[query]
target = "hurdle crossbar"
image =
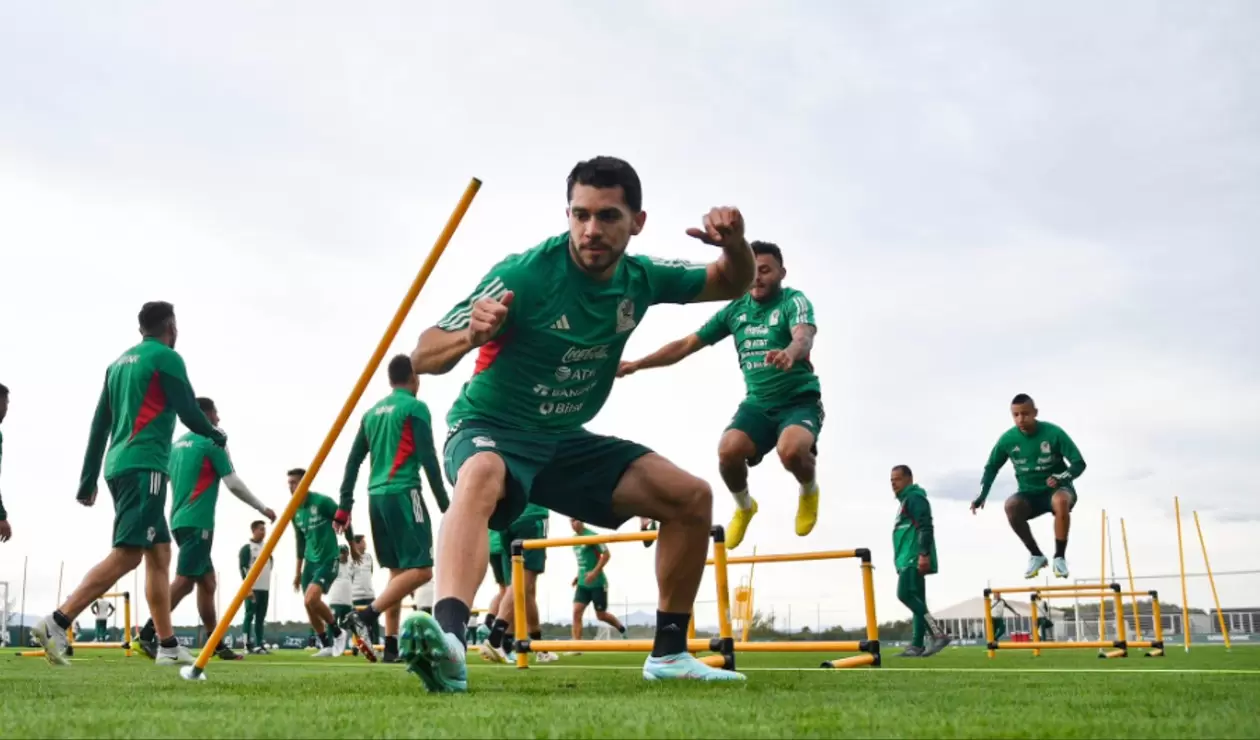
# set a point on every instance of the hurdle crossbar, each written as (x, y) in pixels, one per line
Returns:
(722, 646)
(869, 648)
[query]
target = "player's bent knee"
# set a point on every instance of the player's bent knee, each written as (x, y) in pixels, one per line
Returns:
(697, 500)
(482, 480)
(735, 448)
(1015, 508)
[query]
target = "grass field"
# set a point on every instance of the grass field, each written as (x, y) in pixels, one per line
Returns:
(960, 693)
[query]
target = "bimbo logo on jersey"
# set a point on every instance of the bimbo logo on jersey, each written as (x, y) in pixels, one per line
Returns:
(583, 354)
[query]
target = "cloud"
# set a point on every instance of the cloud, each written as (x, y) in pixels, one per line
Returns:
(964, 485)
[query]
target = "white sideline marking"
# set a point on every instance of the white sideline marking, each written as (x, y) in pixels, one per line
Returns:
(1206, 671)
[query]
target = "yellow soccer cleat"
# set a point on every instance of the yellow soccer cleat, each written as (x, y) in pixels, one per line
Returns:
(739, 525)
(807, 512)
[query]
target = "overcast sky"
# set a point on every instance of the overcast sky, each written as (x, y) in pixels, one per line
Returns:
(980, 199)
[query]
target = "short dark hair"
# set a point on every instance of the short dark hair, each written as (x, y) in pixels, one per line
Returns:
(256, 524)
(770, 248)
(904, 470)
(299, 472)
(607, 172)
(358, 538)
(1022, 398)
(4, 390)
(154, 316)
(400, 369)
(205, 404)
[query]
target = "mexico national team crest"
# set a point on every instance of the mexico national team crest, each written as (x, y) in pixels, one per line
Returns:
(774, 317)
(625, 316)
(1045, 448)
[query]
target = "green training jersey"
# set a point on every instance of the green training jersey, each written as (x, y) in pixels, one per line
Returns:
(4, 516)
(197, 467)
(553, 362)
(397, 433)
(913, 534)
(496, 544)
(313, 525)
(1047, 451)
(588, 558)
(145, 390)
(757, 328)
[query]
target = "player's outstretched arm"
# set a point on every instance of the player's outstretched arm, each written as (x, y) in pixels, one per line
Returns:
(997, 458)
(670, 354)
(730, 275)
(358, 453)
(422, 433)
(98, 438)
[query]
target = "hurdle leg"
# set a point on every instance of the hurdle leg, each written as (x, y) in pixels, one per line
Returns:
(988, 624)
(1033, 626)
(726, 638)
(520, 629)
(1157, 650)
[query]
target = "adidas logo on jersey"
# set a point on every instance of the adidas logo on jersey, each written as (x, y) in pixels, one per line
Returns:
(562, 323)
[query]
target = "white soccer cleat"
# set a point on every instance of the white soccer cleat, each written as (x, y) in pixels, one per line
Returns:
(1035, 564)
(177, 655)
(328, 652)
(492, 654)
(1060, 568)
(52, 639)
(342, 643)
(547, 657)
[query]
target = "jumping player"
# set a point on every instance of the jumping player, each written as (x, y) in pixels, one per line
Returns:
(398, 434)
(258, 600)
(197, 468)
(5, 530)
(317, 565)
(1047, 464)
(773, 328)
(144, 390)
(914, 553)
(550, 325)
(591, 585)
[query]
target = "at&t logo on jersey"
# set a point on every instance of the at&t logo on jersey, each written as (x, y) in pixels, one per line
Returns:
(564, 372)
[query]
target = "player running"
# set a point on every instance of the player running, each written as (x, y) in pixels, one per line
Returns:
(5, 530)
(197, 468)
(550, 325)
(591, 585)
(773, 328)
(1047, 464)
(914, 553)
(530, 525)
(398, 435)
(259, 598)
(144, 390)
(317, 566)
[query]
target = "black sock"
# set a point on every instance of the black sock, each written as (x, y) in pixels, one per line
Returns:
(535, 635)
(369, 616)
(1060, 547)
(391, 643)
(671, 634)
(62, 620)
(489, 620)
(452, 614)
(622, 629)
(1034, 550)
(325, 640)
(497, 632)
(169, 643)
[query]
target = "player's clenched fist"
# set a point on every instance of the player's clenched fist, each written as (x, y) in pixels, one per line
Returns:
(723, 227)
(488, 315)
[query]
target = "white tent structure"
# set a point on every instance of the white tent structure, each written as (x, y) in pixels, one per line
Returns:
(966, 620)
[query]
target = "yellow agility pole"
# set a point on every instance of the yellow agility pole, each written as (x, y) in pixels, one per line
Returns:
(1128, 569)
(523, 644)
(197, 671)
(1211, 581)
(1102, 577)
(1181, 561)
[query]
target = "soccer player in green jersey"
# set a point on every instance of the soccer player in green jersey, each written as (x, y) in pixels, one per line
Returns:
(914, 556)
(5, 531)
(773, 328)
(144, 391)
(550, 325)
(198, 466)
(591, 585)
(259, 598)
(530, 525)
(317, 564)
(1047, 464)
(397, 433)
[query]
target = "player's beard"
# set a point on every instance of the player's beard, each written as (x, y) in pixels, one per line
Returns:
(595, 262)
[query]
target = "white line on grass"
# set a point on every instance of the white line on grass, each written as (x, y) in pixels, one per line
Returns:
(1156, 671)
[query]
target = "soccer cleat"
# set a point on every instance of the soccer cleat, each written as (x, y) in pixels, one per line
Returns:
(390, 656)
(936, 644)
(177, 655)
(914, 651)
(226, 653)
(148, 647)
(807, 511)
(437, 658)
(739, 525)
(52, 639)
(492, 654)
(1035, 564)
(359, 633)
(1060, 568)
(685, 666)
(328, 652)
(545, 657)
